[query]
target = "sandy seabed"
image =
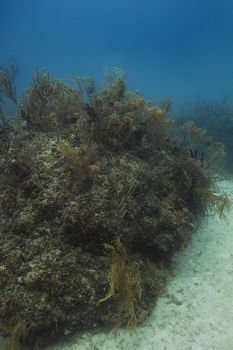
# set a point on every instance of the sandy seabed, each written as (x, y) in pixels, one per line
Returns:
(196, 311)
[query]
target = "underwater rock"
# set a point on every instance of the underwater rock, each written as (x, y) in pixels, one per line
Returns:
(86, 169)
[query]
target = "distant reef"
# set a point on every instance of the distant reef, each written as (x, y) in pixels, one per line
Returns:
(96, 195)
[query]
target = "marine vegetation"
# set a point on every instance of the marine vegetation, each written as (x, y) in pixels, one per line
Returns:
(7, 82)
(125, 283)
(202, 146)
(216, 117)
(7, 93)
(89, 171)
(14, 335)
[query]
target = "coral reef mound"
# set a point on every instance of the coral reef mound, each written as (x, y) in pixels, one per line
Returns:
(85, 173)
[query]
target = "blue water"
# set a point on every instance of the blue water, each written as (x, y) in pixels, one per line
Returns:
(177, 48)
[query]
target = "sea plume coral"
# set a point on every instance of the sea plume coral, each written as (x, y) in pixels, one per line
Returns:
(124, 284)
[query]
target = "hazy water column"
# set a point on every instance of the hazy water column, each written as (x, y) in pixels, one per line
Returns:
(177, 48)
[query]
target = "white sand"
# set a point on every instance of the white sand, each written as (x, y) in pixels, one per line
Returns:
(196, 312)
